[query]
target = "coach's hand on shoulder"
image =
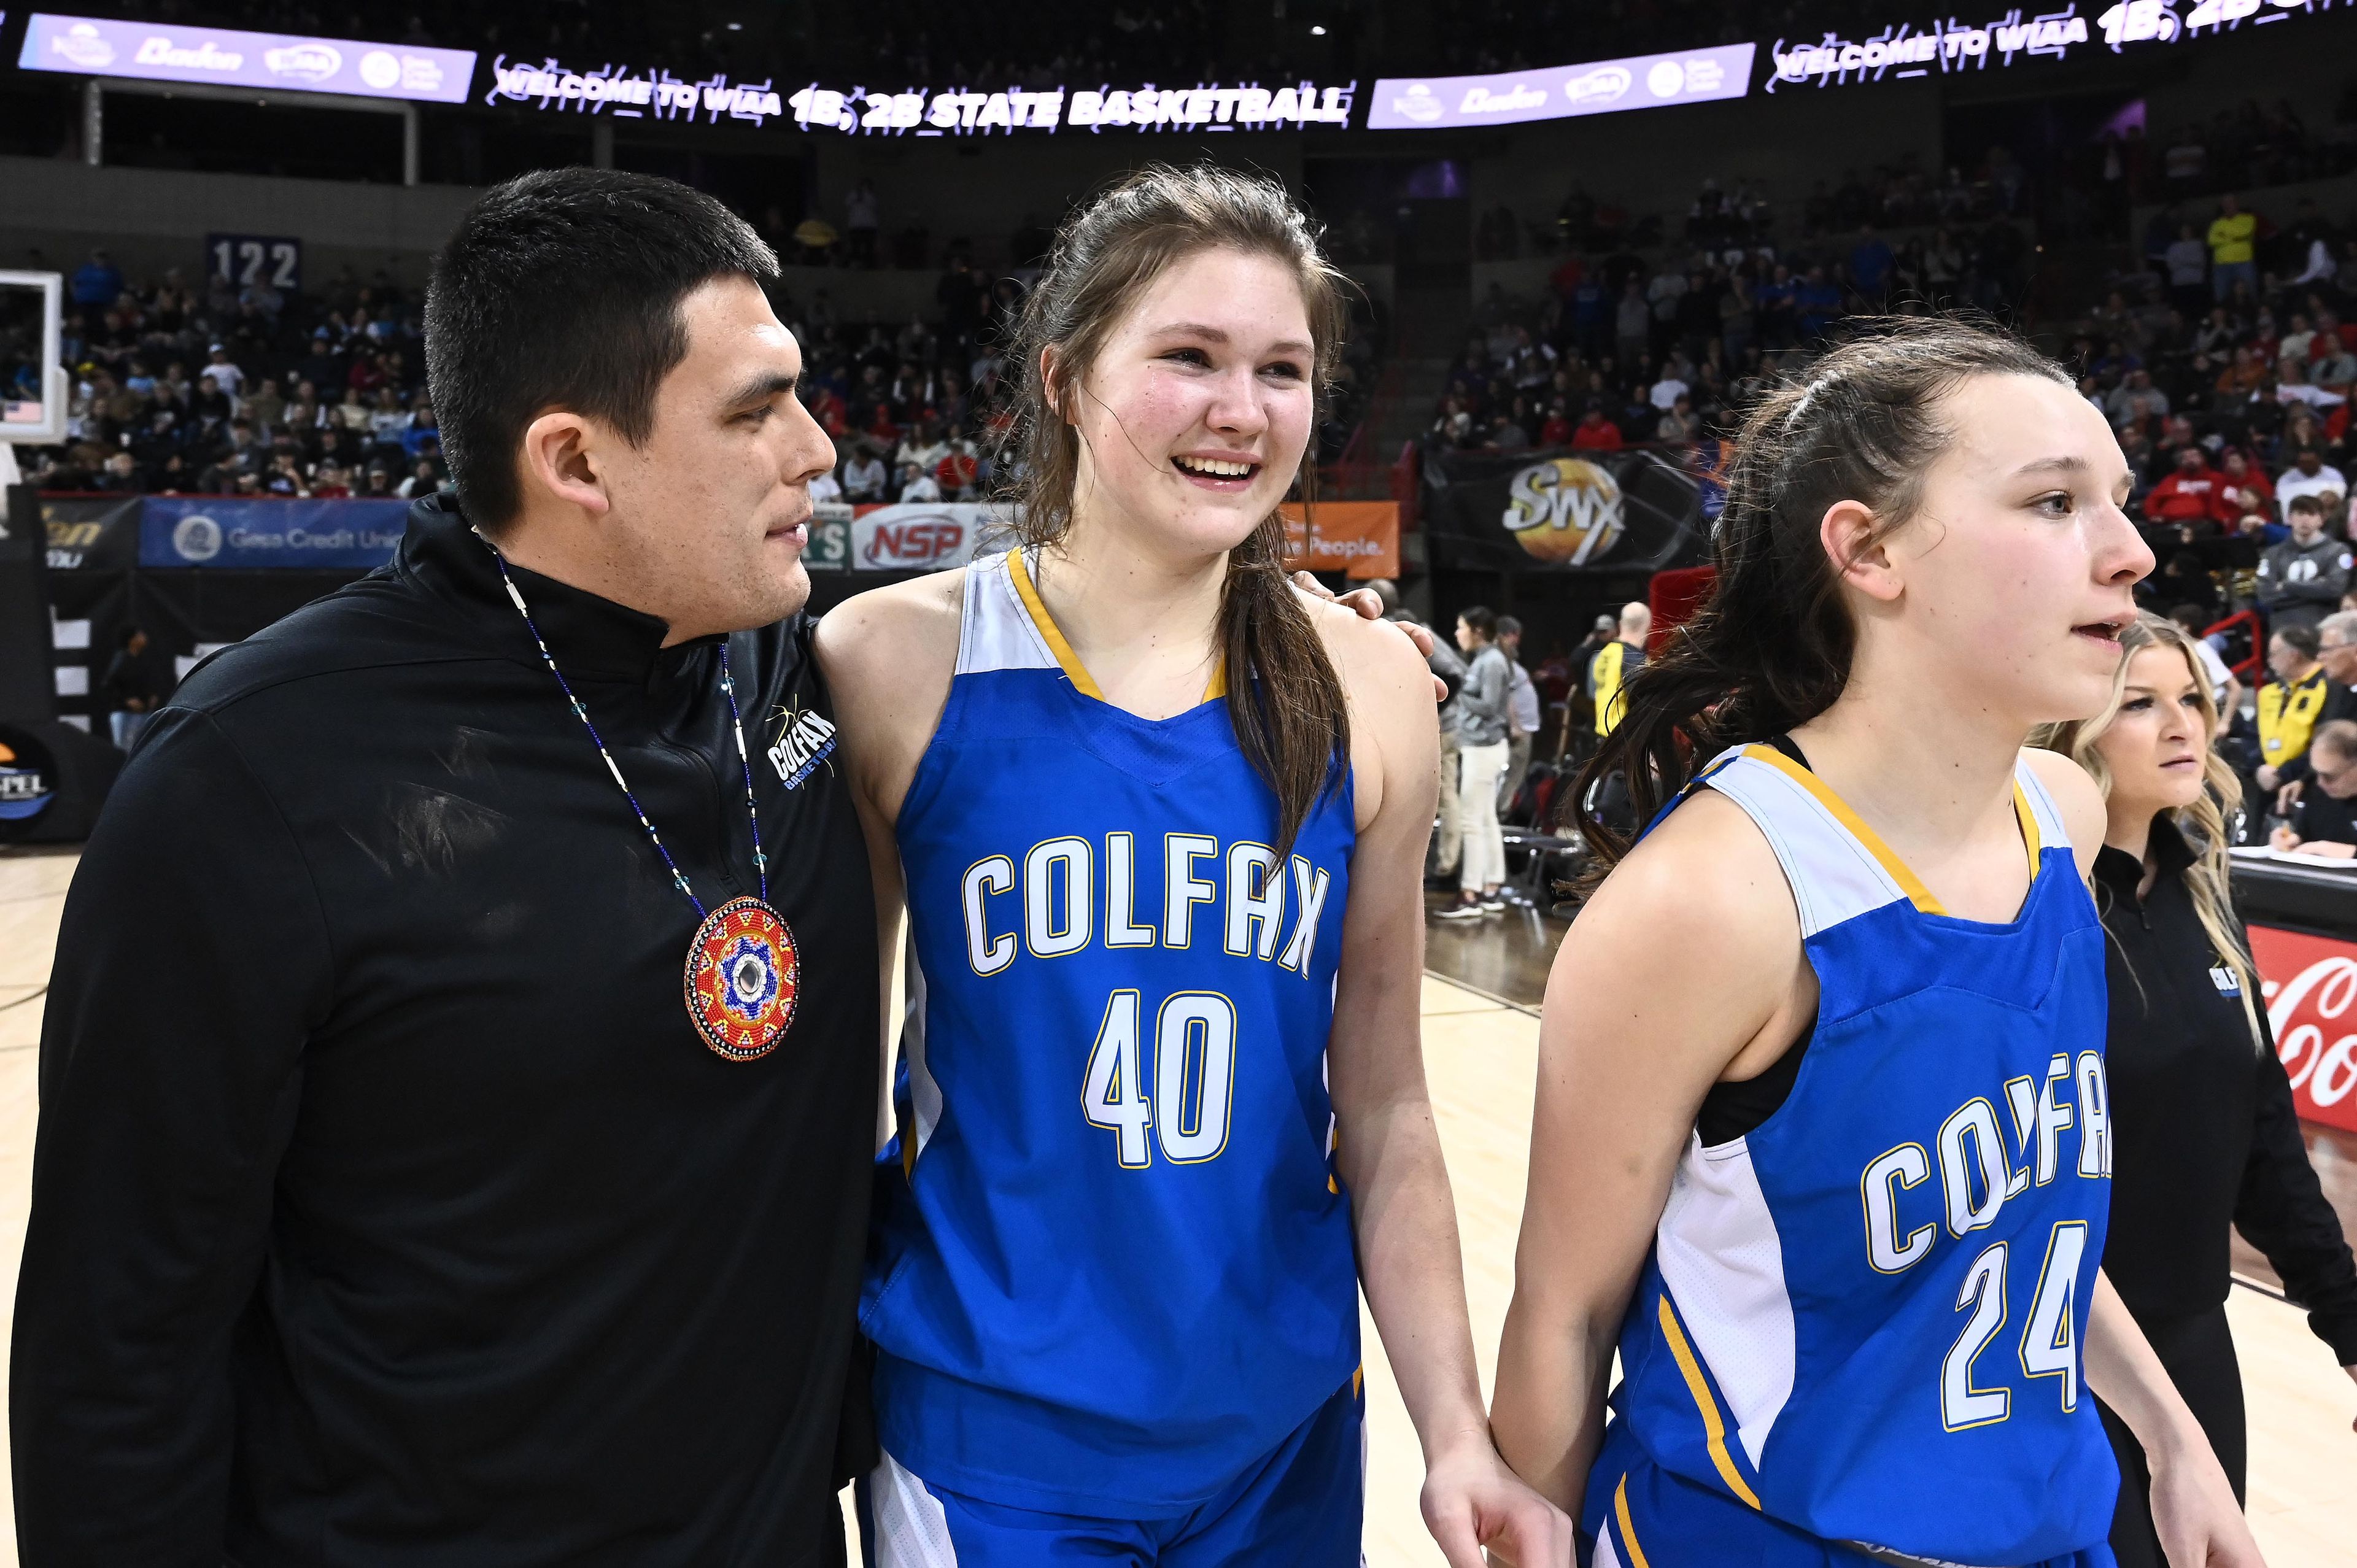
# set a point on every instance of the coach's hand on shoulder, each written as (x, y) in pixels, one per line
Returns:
(1367, 607)
(1472, 1500)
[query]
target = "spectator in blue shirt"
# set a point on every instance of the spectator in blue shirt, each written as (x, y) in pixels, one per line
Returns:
(1869, 263)
(1818, 301)
(97, 282)
(96, 285)
(421, 436)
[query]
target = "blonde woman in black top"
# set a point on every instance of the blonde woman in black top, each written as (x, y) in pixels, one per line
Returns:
(2205, 1136)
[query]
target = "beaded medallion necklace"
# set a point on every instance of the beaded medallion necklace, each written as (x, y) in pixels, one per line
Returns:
(744, 971)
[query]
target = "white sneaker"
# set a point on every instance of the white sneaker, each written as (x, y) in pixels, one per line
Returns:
(1461, 912)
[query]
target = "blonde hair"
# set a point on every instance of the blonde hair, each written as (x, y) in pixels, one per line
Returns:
(2209, 878)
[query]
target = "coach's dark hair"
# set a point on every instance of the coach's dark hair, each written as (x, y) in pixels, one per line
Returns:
(1771, 647)
(1481, 620)
(1283, 697)
(561, 289)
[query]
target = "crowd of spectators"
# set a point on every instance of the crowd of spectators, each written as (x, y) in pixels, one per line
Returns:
(2227, 365)
(1901, 194)
(1622, 348)
(2237, 146)
(212, 389)
(218, 390)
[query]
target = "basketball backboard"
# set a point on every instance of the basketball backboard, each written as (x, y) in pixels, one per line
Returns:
(33, 383)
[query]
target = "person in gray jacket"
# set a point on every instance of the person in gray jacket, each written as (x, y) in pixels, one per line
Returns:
(2301, 580)
(1483, 713)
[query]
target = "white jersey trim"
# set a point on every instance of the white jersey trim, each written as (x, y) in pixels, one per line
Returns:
(1720, 1254)
(1834, 877)
(996, 630)
(905, 1524)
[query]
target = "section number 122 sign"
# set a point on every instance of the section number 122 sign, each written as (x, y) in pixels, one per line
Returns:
(245, 260)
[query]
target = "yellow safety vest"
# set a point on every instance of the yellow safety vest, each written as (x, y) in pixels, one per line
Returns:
(2288, 718)
(1604, 673)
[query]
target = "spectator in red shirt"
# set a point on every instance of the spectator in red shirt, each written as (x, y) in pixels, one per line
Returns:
(1596, 432)
(2187, 499)
(1556, 431)
(827, 406)
(367, 374)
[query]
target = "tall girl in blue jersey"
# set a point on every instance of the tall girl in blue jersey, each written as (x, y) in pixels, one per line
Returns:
(1160, 823)
(1823, 1139)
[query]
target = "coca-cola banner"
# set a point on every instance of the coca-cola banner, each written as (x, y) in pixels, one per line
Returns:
(1568, 512)
(2310, 985)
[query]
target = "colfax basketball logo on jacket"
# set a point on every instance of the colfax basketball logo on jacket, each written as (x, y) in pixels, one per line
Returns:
(807, 740)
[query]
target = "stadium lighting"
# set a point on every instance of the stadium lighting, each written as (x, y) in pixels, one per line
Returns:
(1317, 32)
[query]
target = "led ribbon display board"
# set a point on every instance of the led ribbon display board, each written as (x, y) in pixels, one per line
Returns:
(87, 46)
(1599, 87)
(1903, 49)
(631, 93)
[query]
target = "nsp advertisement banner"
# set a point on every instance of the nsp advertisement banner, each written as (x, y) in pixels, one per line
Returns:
(91, 534)
(1586, 512)
(927, 536)
(1557, 92)
(237, 535)
(90, 46)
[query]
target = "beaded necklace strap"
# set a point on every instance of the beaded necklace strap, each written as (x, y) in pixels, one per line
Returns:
(736, 723)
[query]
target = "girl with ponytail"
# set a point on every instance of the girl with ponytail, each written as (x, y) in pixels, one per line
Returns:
(1160, 823)
(1823, 1136)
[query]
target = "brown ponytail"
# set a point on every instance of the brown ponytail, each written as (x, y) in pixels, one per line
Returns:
(1772, 647)
(1283, 697)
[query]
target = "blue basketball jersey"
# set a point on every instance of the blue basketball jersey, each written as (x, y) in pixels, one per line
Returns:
(1114, 1267)
(1863, 1319)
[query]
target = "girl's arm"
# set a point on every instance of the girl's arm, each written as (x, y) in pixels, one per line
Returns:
(1684, 967)
(2194, 1509)
(887, 657)
(1388, 1154)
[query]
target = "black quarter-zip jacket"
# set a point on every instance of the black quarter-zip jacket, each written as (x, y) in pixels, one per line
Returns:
(2205, 1136)
(387, 1208)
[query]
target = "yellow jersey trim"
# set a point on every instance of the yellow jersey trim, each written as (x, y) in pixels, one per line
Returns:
(1909, 883)
(2028, 820)
(1069, 661)
(1066, 658)
(1628, 1531)
(1714, 1424)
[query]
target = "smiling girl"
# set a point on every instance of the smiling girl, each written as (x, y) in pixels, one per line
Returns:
(2207, 1141)
(1823, 1139)
(1161, 823)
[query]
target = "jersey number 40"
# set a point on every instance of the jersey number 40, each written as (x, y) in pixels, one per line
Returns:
(1185, 1106)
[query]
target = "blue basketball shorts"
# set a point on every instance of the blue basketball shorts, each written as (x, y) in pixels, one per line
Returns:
(1642, 1516)
(1300, 1506)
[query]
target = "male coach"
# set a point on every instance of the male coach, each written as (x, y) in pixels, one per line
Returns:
(407, 1190)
